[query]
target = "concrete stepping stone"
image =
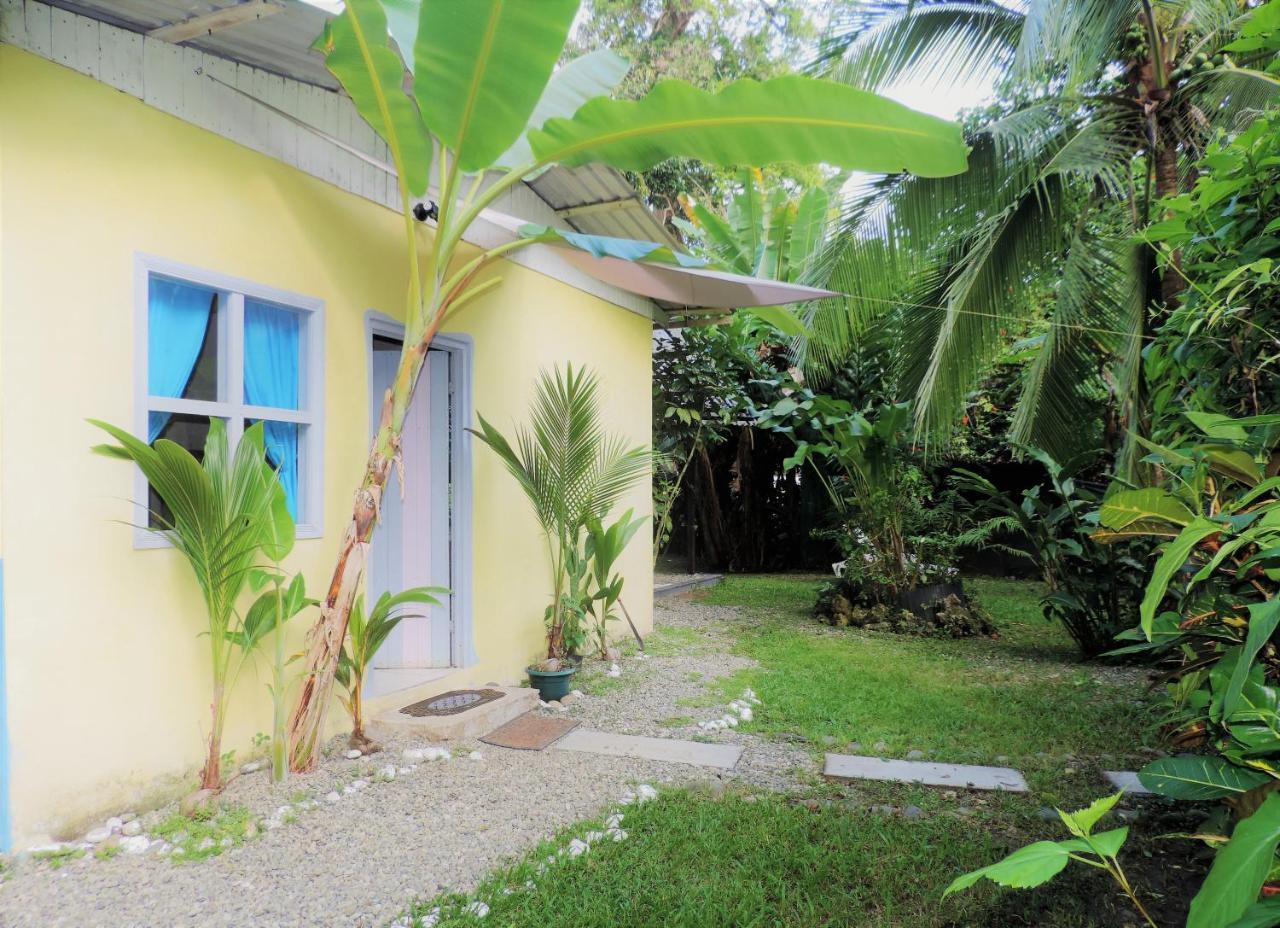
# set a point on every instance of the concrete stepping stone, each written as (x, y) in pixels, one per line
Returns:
(1128, 781)
(964, 776)
(724, 756)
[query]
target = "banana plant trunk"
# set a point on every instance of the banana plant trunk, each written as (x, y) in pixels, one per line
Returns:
(307, 724)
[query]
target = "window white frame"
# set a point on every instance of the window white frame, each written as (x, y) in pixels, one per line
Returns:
(232, 292)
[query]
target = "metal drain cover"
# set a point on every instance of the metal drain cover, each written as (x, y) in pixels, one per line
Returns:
(451, 703)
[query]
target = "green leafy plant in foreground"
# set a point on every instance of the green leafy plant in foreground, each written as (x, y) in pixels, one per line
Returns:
(226, 511)
(573, 473)
(474, 82)
(365, 635)
(1036, 864)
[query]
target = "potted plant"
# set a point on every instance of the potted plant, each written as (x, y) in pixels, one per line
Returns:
(572, 473)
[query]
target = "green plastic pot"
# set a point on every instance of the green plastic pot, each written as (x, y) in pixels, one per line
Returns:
(551, 684)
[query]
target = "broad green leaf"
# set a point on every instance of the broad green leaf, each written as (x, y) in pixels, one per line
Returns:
(480, 68)
(595, 74)
(1029, 866)
(604, 246)
(1198, 777)
(797, 119)
(1264, 617)
(810, 229)
(1235, 463)
(782, 319)
(1265, 913)
(1171, 559)
(1108, 843)
(356, 49)
(1081, 823)
(1122, 509)
(1218, 426)
(1239, 870)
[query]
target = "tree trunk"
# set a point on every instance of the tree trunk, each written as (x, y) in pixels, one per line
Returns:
(306, 726)
(211, 775)
(1168, 185)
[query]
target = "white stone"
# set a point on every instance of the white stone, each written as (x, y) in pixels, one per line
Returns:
(403, 770)
(413, 754)
(252, 767)
(115, 823)
(730, 721)
(619, 835)
(350, 789)
(332, 797)
(745, 714)
(131, 829)
(613, 821)
(577, 848)
(359, 784)
(591, 837)
(226, 842)
(98, 835)
(388, 772)
(478, 909)
(429, 920)
(137, 844)
(272, 824)
(353, 754)
(577, 693)
(645, 792)
(475, 755)
(614, 671)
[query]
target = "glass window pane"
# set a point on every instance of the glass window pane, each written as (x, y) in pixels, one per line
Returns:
(188, 431)
(272, 355)
(281, 441)
(182, 340)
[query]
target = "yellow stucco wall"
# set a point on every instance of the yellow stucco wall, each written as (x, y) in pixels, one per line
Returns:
(108, 680)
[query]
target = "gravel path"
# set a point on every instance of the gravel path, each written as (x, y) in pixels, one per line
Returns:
(441, 825)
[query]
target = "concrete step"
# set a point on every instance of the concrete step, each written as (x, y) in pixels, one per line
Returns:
(471, 722)
(724, 756)
(963, 776)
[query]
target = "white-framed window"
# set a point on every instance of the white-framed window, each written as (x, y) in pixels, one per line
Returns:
(213, 346)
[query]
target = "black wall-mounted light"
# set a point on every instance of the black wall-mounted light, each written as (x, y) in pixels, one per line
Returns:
(422, 212)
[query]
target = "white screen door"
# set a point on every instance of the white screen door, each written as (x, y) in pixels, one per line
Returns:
(411, 545)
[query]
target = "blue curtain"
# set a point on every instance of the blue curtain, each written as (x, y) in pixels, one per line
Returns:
(271, 368)
(177, 319)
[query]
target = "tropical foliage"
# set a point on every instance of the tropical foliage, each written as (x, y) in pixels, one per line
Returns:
(366, 634)
(225, 511)
(1102, 102)
(573, 474)
(474, 80)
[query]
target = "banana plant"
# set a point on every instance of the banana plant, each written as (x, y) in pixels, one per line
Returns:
(603, 547)
(764, 233)
(465, 97)
(280, 600)
(365, 635)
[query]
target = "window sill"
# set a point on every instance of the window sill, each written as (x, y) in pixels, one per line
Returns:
(144, 540)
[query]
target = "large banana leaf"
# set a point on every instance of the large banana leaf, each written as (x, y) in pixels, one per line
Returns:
(595, 74)
(480, 68)
(356, 50)
(1198, 778)
(796, 119)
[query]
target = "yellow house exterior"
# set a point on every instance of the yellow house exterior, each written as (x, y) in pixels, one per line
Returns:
(106, 677)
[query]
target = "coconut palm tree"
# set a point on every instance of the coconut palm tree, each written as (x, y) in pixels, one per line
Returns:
(1105, 103)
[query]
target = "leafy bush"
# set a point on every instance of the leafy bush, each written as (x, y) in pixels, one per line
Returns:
(1092, 590)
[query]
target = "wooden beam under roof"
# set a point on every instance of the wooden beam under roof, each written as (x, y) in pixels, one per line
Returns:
(216, 21)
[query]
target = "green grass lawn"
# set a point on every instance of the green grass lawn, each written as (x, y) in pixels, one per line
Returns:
(1022, 697)
(828, 857)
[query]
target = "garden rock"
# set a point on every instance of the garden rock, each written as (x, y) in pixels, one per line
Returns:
(913, 812)
(843, 604)
(98, 835)
(131, 829)
(353, 754)
(251, 767)
(915, 755)
(137, 844)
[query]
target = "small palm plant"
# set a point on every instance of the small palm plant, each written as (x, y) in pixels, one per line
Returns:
(365, 635)
(571, 471)
(224, 512)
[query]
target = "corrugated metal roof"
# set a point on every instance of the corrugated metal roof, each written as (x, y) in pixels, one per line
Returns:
(594, 199)
(280, 43)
